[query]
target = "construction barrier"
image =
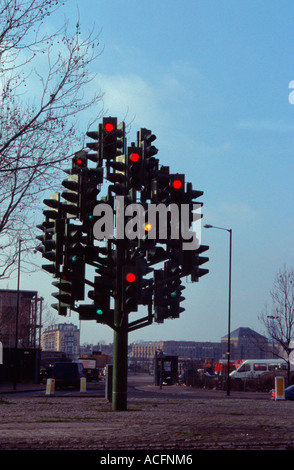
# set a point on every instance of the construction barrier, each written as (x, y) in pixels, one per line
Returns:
(279, 388)
(50, 386)
(83, 382)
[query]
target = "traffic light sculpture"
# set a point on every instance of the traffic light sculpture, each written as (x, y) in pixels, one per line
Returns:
(131, 272)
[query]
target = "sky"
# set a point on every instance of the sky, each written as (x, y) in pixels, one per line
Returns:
(211, 80)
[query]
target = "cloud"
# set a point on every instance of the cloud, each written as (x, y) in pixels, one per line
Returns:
(266, 125)
(239, 210)
(129, 95)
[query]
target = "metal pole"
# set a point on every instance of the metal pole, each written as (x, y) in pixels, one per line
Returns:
(229, 307)
(16, 322)
(120, 341)
(229, 315)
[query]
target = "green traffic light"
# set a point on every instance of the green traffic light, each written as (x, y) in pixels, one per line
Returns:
(99, 311)
(175, 294)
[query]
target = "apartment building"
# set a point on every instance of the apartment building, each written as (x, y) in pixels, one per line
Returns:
(63, 337)
(20, 318)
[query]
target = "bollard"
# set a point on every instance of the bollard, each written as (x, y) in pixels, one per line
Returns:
(83, 384)
(50, 386)
(279, 388)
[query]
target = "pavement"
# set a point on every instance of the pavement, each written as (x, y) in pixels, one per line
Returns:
(171, 419)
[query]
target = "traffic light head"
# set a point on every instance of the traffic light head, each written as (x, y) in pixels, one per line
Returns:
(73, 246)
(52, 247)
(160, 189)
(177, 188)
(72, 195)
(130, 287)
(118, 175)
(79, 162)
(89, 193)
(134, 168)
(112, 138)
(145, 139)
(191, 262)
(91, 312)
(101, 297)
(54, 205)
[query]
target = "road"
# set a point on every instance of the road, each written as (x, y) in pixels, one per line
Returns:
(171, 418)
(141, 385)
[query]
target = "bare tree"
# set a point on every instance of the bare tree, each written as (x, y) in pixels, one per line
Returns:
(278, 319)
(44, 79)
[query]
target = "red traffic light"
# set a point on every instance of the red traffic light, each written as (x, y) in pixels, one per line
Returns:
(134, 157)
(108, 126)
(130, 277)
(177, 184)
(79, 161)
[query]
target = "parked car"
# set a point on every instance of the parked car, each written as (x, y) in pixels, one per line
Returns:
(68, 374)
(289, 393)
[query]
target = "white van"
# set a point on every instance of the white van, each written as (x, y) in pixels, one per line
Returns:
(252, 368)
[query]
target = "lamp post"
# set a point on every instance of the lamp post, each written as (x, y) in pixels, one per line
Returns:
(16, 322)
(229, 308)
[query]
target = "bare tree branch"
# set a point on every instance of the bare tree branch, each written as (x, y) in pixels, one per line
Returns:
(45, 80)
(278, 319)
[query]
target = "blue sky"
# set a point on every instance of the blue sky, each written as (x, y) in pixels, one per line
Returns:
(211, 80)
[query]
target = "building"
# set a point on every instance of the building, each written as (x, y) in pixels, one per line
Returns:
(246, 343)
(187, 351)
(62, 337)
(20, 335)
(20, 319)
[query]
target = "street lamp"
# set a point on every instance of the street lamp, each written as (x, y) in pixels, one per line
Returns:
(229, 308)
(16, 322)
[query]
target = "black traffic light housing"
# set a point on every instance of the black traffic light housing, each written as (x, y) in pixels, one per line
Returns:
(145, 139)
(130, 288)
(118, 175)
(160, 189)
(47, 244)
(112, 138)
(190, 195)
(72, 195)
(177, 188)
(55, 207)
(79, 162)
(173, 276)
(134, 168)
(89, 193)
(191, 262)
(101, 300)
(64, 295)
(160, 296)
